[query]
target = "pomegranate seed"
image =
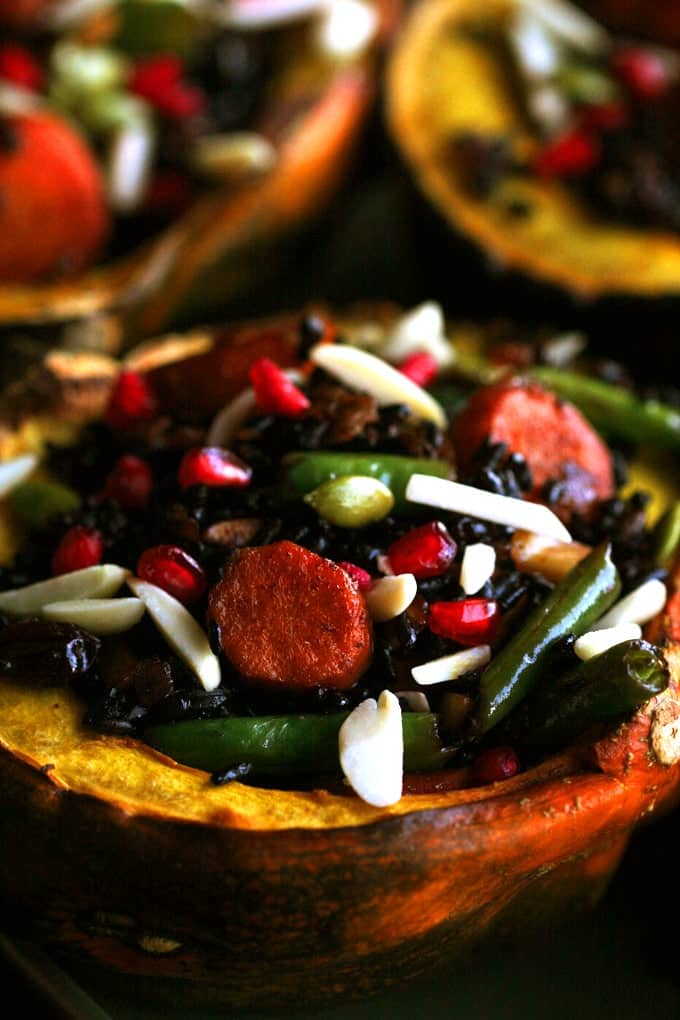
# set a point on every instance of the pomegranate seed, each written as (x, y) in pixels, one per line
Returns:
(131, 401)
(20, 67)
(361, 577)
(160, 81)
(643, 72)
(427, 551)
(214, 466)
(468, 621)
(80, 547)
(171, 568)
(151, 77)
(181, 102)
(603, 117)
(130, 482)
(495, 764)
(421, 368)
(274, 392)
(570, 155)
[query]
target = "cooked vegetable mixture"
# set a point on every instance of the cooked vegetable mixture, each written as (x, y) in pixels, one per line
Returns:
(603, 110)
(337, 573)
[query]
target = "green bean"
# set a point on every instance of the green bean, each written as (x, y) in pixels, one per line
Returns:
(666, 537)
(608, 685)
(613, 410)
(286, 745)
(307, 471)
(574, 604)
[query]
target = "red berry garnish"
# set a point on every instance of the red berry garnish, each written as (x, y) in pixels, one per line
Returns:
(130, 482)
(20, 67)
(570, 155)
(643, 72)
(151, 77)
(80, 547)
(421, 368)
(159, 80)
(361, 577)
(171, 568)
(131, 401)
(427, 551)
(495, 764)
(468, 621)
(213, 466)
(274, 392)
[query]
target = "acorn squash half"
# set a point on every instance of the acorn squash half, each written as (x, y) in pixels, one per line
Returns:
(110, 852)
(446, 77)
(231, 239)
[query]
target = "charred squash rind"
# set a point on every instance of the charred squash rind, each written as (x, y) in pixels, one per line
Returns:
(334, 896)
(226, 243)
(560, 243)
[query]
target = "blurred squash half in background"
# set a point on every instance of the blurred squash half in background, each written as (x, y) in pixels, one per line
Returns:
(159, 158)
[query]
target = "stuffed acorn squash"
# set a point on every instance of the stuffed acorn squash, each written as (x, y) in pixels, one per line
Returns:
(170, 154)
(332, 666)
(545, 140)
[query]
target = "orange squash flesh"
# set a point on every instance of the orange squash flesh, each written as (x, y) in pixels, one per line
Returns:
(444, 78)
(110, 852)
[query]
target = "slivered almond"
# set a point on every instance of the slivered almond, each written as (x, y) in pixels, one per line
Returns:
(639, 606)
(371, 746)
(100, 616)
(487, 506)
(421, 329)
(365, 372)
(479, 563)
(595, 642)
(180, 630)
(97, 582)
(450, 667)
(14, 472)
(389, 596)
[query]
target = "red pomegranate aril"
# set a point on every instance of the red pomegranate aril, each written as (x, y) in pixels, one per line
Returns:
(570, 155)
(361, 577)
(150, 78)
(468, 622)
(495, 764)
(421, 368)
(172, 568)
(20, 67)
(130, 482)
(160, 81)
(426, 551)
(213, 466)
(274, 391)
(131, 401)
(644, 73)
(80, 547)
(181, 102)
